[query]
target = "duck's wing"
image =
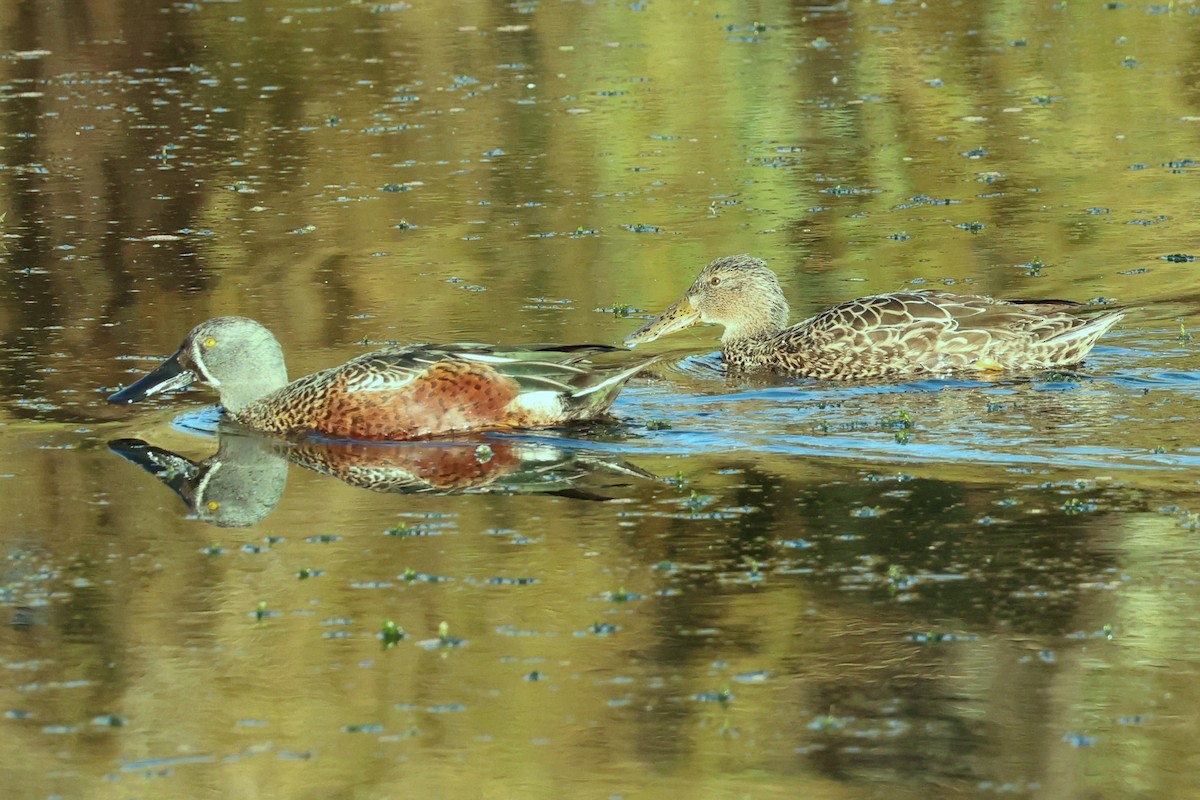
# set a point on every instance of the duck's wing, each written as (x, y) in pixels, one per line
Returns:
(535, 367)
(898, 313)
(942, 330)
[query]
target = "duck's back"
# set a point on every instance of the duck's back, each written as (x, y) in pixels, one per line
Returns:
(925, 332)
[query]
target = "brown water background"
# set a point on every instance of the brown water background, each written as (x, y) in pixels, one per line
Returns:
(758, 589)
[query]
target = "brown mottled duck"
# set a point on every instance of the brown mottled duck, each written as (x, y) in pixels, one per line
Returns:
(925, 332)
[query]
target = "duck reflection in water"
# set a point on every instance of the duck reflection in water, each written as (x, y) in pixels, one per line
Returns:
(243, 481)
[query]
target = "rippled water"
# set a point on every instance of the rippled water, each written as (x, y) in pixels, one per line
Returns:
(737, 587)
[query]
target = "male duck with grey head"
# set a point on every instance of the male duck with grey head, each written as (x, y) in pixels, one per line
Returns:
(394, 394)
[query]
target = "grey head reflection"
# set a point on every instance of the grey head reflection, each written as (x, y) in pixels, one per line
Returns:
(244, 480)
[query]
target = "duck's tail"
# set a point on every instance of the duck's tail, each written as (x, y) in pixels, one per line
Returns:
(596, 396)
(1073, 344)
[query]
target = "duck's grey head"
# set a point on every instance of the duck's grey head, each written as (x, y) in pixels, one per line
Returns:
(236, 356)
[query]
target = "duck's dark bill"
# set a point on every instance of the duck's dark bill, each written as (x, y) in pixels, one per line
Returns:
(169, 375)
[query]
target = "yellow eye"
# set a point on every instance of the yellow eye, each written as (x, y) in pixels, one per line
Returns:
(210, 342)
(213, 505)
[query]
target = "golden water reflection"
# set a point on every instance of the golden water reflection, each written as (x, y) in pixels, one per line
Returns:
(785, 589)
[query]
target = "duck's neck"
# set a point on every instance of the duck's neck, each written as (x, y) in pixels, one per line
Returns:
(268, 376)
(748, 341)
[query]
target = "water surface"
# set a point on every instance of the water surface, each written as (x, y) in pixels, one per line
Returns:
(738, 587)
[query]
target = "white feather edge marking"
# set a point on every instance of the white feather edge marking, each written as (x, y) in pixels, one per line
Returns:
(373, 382)
(616, 378)
(486, 358)
(490, 358)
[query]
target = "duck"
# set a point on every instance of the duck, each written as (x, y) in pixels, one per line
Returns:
(898, 334)
(395, 394)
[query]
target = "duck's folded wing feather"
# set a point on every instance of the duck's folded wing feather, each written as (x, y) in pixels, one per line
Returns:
(533, 367)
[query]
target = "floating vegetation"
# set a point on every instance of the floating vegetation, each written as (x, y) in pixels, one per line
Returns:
(1076, 505)
(724, 697)
(621, 595)
(109, 721)
(658, 425)
(902, 423)
(847, 191)
(1078, 739)
(391, 634)
(898, 577)
(443, 640)
(410, 575)
(757, 676)
(937, 637)
(1033, 268)
(753, 569)
(971, 227)
(1178, 258)
(425, 529)
(678, 480)
(794, 544)
(925, 200)
(828, 722)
